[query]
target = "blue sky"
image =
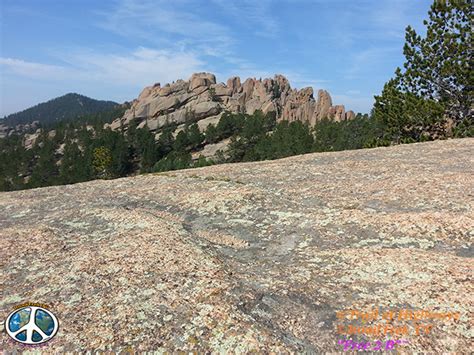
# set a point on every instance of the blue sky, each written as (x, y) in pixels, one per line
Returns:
(112, 49)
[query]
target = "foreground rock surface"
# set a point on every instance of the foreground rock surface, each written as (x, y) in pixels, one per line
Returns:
(248, 257)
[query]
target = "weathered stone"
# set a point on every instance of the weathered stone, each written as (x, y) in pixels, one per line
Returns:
(30, 140)
(202, 124)
(323, 105)
(350, 115)
(210, 150)
(148, 91)
(222, 90)
(201, 79)
(205, 109)
(115, 125)
(299, 105)
(247, 88)
(257, 257)
(234, 84)
(337, 113)
(268, 95)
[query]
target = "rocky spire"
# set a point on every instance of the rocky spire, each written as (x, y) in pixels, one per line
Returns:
(202, 98)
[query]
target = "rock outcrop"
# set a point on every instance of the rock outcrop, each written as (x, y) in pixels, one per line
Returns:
(350, 115)
(337, 113)
(249, 258)
(6, 130)
(202, 97)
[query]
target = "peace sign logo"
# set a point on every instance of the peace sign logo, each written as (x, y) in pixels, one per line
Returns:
(31, 325)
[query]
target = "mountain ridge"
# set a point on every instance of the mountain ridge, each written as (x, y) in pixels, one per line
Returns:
(65, 107)
(202, 99)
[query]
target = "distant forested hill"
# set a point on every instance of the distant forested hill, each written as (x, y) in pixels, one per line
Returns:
(64, 107)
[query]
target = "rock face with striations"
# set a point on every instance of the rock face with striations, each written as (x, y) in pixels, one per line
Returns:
(201, 97)
(254, 257)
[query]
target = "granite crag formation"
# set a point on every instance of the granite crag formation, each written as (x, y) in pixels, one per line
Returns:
(201, 99)
(249, 257)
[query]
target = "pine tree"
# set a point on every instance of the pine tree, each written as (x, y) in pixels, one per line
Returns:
(213, 96)
(174, 161)
(12, 171)
(211, 134)
(438, 66)
(195, 137)
(229, 124)
(165, 141)
(147, 149)
(236, 149)
(122, 156)
(182, 142)
(72, 164)
(406, 116)
(45, 171)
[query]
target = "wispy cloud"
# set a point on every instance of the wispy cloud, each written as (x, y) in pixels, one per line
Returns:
(114, 48)
(383, 20)
(390, 17)
(300, 80)
(138, 68)
(33, 70)
(363, 62)
(256, 15)
(167, 23)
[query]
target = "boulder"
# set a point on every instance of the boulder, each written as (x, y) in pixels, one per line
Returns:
(222, 90)
(323, 105)
(350, 115)
(30, 140)
(337, 113)
(299, 105)
(252, 105)
(204, 109)
(115, 125)
(234, 84)
(199, 80)
(268, 107)
(202, 124)
(247, 87)
(148, 91)
(236, 103)
(210, 150)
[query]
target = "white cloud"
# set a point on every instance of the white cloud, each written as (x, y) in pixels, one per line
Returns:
(254, 14)
(33, 70)
(299, 80)
(182, 27)
(118, 77)
(141, 67)
(367, 61)
(391, 17)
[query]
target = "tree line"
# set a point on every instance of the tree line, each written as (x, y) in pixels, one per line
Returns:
(81, 153)
(430, 98)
